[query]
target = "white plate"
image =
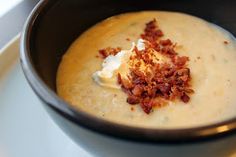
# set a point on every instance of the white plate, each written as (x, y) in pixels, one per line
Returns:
(5, 6)
(25, 128)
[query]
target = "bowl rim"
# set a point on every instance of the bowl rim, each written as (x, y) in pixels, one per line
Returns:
(95, 124)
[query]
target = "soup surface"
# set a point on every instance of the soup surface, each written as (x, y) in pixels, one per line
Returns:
(212, 61)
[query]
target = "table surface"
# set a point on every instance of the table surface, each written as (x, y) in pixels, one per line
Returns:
(46, 143)
(11, 23)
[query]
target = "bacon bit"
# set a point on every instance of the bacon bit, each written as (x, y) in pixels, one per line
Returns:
(165, 42)
(126, 84)
(127, 39)
(151, 32)
(147, 105)
(137, 90)
(132, 108)
(133, 100)
(165, 88)
(180, 61)
(190, 91)
(119, 80)
(168, 51)
(226, 42)
(109, 51)
(185, 98)
(103, 53)
(162, 82)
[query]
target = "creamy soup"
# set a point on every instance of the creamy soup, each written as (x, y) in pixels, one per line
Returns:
(212, 60)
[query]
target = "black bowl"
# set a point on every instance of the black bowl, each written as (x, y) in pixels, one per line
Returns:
(55, 24)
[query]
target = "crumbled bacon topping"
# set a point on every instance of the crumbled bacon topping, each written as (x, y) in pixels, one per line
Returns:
(160, 80)
(109, 51)
(152, 32)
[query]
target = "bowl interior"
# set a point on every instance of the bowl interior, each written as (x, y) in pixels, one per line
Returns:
(61, 22)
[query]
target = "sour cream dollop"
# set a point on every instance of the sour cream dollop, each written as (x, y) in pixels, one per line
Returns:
(119, 63)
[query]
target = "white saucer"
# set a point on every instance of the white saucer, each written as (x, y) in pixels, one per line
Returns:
(26, 130)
